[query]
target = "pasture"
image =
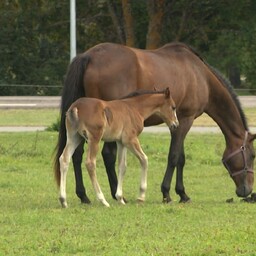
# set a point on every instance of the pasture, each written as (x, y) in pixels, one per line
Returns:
(32, 221)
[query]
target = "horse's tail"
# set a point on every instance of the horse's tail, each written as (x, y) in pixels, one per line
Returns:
(72, 90)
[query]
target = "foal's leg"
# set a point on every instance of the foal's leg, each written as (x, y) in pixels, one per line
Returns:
(93, 147)
(77, 161)
(121, 152)
(136, 149)
(72, 143)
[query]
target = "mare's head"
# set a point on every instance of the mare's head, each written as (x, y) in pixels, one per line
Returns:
(239, 164)
(167, 110)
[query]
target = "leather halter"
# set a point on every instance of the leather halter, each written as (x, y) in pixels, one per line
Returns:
(241, 150)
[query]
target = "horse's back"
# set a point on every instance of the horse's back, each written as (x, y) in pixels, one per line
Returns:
(116, 70)
(112, 71)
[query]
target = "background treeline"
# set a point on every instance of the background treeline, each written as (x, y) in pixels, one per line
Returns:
(34, 36)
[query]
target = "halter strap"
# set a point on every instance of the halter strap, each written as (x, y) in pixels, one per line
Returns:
(241, 150)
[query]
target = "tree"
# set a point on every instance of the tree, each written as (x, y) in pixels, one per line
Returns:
(156, 14)
(128, 23)
(34, 35)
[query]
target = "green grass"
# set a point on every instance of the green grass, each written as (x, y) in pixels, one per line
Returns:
(28, 117)
(33, 223)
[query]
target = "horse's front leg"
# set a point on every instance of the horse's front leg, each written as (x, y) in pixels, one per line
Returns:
(175, 156)
(121, 152)
(109, 158)
(77, 163)
(179, 188)
(93, 147)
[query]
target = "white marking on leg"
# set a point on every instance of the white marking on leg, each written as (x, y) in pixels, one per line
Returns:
(91, 168)
(121, 152)
(71, 145)
(136, 149)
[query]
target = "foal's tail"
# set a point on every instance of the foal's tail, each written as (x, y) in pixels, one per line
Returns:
(73, 89)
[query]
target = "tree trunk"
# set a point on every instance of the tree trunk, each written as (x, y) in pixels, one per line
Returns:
(128, 23)
(234, 75)
(156, 13)
(116, 22)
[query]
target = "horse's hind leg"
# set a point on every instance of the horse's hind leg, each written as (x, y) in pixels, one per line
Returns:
(179, 188)
(64, 160)
(77, 161)
(93, 147)
(136, 149)
(109, 157)
(121, 152)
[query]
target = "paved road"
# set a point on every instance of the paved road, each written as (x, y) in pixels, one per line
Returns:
(8, 102)
(12, 102)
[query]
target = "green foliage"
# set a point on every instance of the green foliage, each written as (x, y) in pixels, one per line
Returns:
(34, 37)
(54, 127)
(33, 223)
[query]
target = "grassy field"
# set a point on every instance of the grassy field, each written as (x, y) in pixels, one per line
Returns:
(33, 223)
(45, 117)
(28, 117)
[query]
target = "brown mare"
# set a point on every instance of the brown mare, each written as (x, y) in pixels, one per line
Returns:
(109, 71)
(118, 120)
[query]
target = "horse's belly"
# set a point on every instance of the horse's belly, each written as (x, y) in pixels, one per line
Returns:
(110, 135)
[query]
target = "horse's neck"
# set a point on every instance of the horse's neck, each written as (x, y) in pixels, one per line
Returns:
(225, 113)
(146, 106)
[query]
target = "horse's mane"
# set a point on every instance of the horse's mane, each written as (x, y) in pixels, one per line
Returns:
(142, 92)
(234, 96)
(224, 82)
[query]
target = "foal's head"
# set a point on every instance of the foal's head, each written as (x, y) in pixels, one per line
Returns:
(167, 110)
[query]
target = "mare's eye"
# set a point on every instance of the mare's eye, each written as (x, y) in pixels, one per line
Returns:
(173, 108)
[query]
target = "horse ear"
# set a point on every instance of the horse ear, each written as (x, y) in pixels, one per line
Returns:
(252, 137)
(167, 93)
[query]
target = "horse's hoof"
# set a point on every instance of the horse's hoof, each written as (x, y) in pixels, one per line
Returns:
(105, 203)
(122, 201)
(185, 200)
(85, 200)
(125, 201)
(140, 201)
(167, 200)
(63, 202)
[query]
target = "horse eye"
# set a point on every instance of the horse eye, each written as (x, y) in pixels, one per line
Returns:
(173, 108)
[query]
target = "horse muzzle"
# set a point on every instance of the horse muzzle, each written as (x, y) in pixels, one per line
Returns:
(174, 125)
(243, 191)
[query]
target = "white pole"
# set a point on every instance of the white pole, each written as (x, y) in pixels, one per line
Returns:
(72, 29)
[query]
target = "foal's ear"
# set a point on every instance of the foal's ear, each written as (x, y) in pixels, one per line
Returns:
(109, 115)
(167, 93)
